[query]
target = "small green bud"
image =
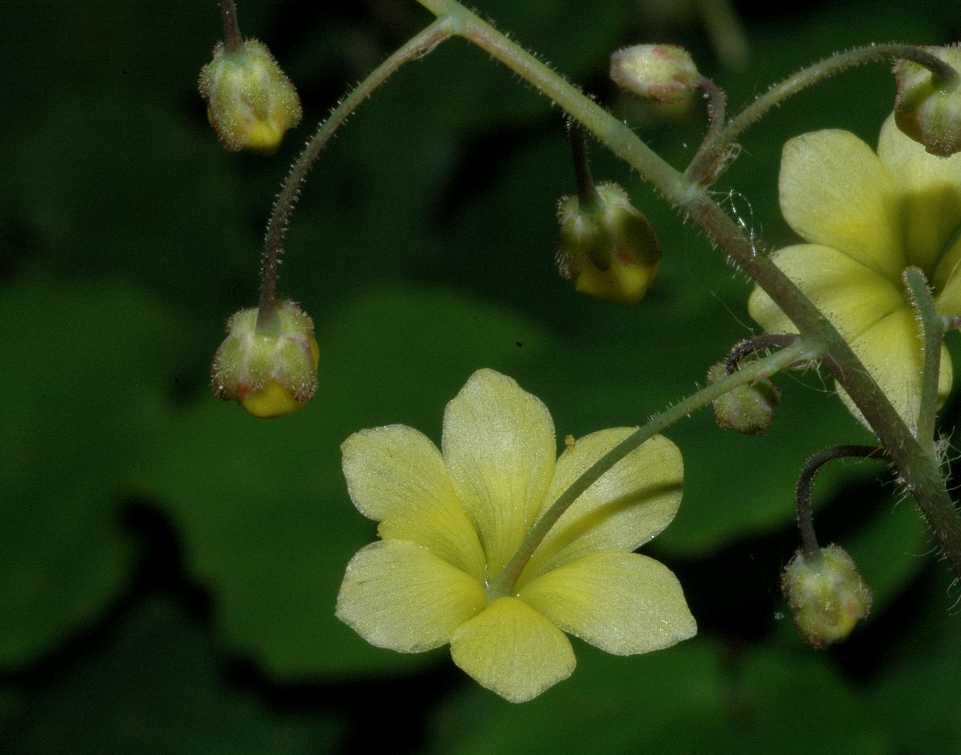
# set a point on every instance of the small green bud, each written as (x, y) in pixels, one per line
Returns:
(269, 374)
(749, 408)
(250, 101)
(827, 595)
(926, 111)
(663, 73)
(609, 248)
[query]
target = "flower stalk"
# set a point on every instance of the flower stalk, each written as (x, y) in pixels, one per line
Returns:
(799, 351)
(705, 163)
(805, 485)
(232, 35)
(932, 334)
(416, 47)
(918, 467)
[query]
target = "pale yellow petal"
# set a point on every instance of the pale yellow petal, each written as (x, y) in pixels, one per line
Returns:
(948, 296)
(851, 295)
(628, 506)
(623, 603)
(891, 352)
(835, 191)
(499, 448)
(930, 200)
(513, 650)
(399, 595)
(395, 474)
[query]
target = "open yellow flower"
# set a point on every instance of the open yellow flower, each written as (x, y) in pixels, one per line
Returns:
(867, 217)
(450, 521)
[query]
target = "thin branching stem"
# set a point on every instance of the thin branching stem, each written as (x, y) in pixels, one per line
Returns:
(705, 163)
(805, 485)
(932, 335)
(232, 36)
(415, 48)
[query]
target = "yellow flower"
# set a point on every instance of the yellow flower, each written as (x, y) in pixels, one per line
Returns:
(451, 520)
(867, 217)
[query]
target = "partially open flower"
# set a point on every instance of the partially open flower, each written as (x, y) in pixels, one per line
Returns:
(452, 519)
(609, 249)
(927, 110)
(250, 101)
(827, 595)
(269, 373)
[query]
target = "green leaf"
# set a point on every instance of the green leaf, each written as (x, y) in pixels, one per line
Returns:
(158, 689)
(82, 379)
(262, 505)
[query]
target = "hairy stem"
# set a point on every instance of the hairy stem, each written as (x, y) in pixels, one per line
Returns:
(932, 334)
(918, 468)
(232, 36)
(799, 351)
(805, 485)
(705, 162)
(417, 47)
(586, 193)
(757, 343)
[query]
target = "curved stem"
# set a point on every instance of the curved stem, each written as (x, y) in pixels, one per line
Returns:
(232, 37)
(932, 334)
(416, 47)
(716, 114)
(586, 193)
(704, 162)
(799, 351)
(918, 468)
(805, 484)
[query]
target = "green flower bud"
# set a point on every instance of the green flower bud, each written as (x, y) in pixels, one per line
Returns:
(270, 374)
(609, 249)
(927, 112)
(663, 73)
(250, 102)
(827, 595)
(749, 408)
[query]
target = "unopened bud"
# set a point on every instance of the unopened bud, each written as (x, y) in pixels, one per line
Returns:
(250, 101)
(929, 110)
(609, 248)
(663, 73)
(827, 595)
(270, 374)
(749, 408)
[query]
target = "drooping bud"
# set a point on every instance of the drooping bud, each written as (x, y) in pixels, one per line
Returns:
(749, 408)
(250, 101)
(608, 248)
(663, 73)
(270, 374)
(827, 595)
(929, 110)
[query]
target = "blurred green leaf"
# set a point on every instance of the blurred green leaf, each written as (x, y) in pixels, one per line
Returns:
(158, 690)
(83, 374)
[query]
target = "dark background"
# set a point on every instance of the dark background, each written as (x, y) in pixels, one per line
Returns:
(169, 565)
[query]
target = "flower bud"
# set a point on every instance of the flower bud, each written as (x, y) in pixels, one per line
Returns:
(270, 374)
(663, 73)
(749, 408)
(827, 595)
(250, 102)
(928, 111)
(609, 249)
